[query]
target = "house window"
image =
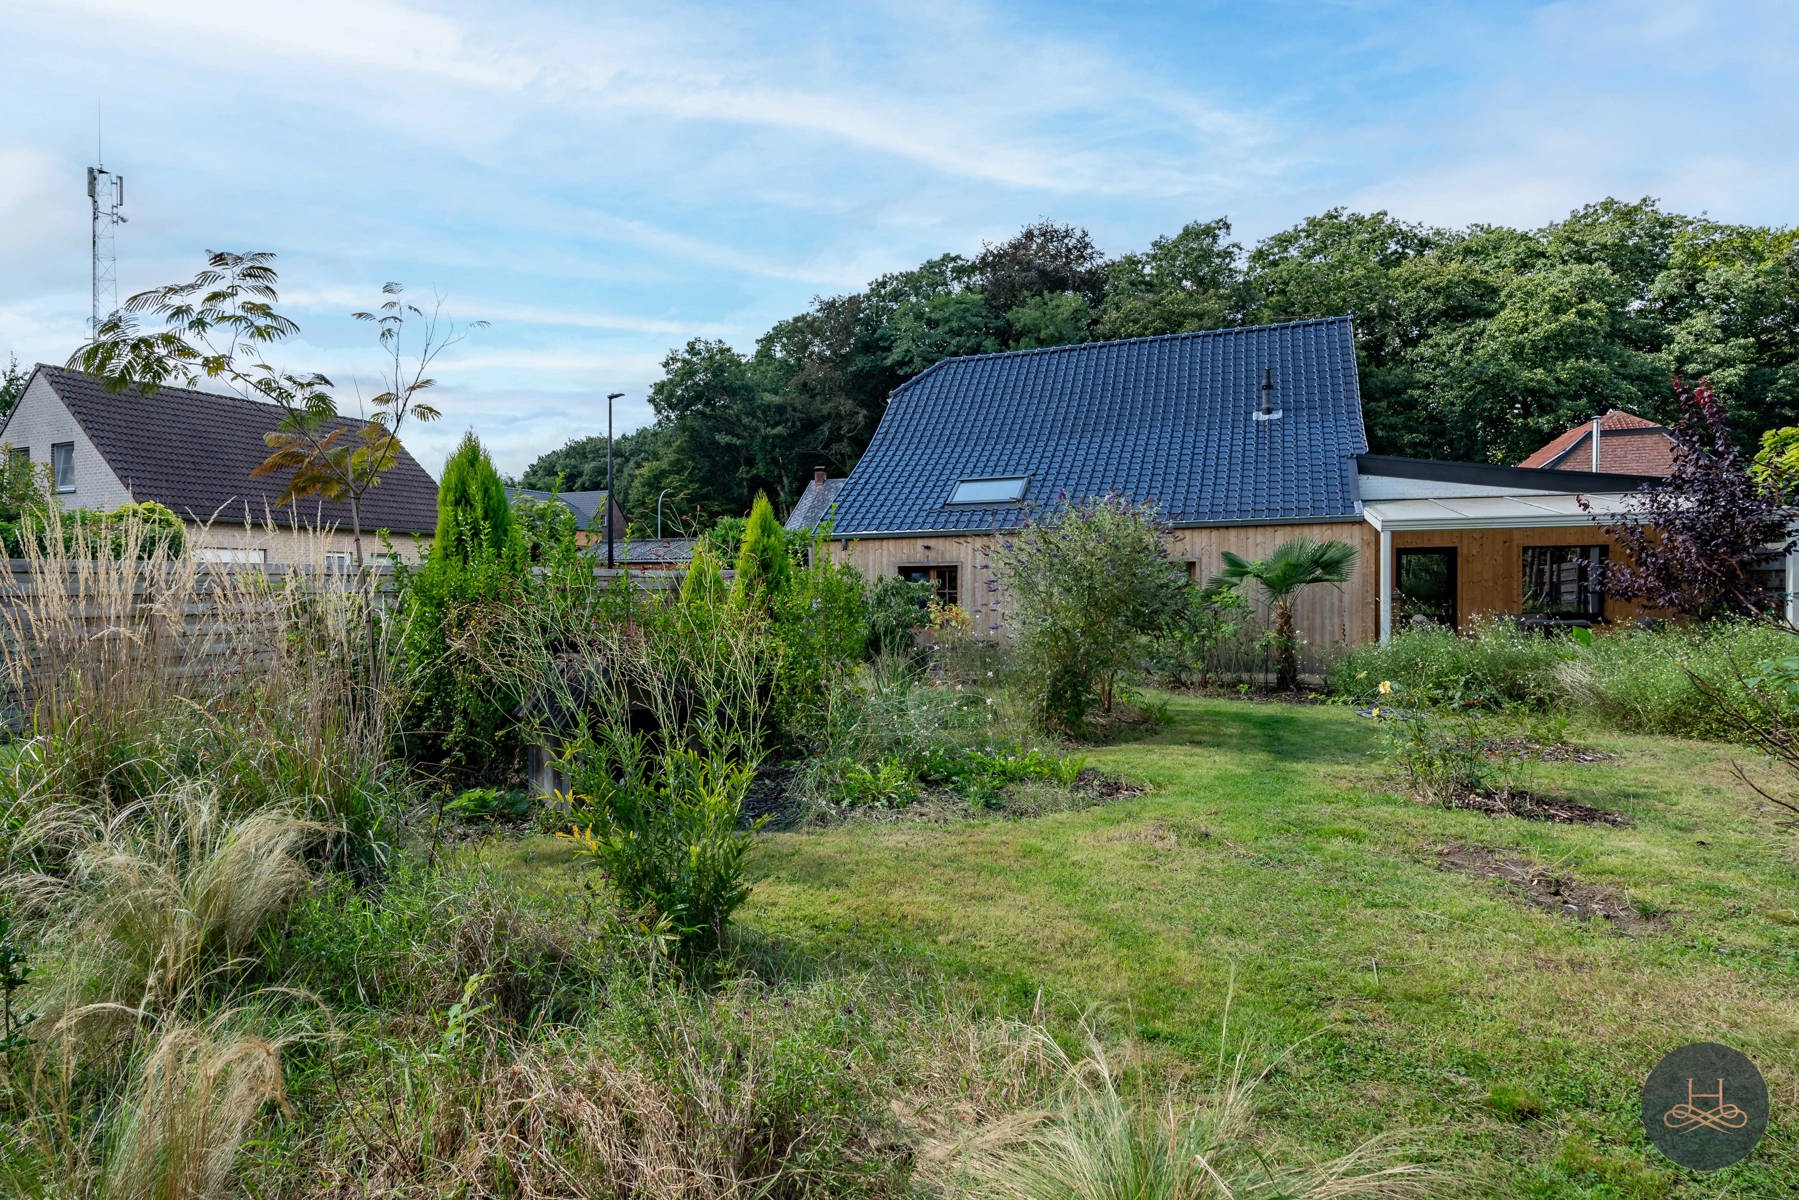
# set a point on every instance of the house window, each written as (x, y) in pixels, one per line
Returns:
(988, 491)
(229, 554)
(945, 581)
(337, 559)
(1425, 587)
(18, 453)
(1559, 581)
(62, 464)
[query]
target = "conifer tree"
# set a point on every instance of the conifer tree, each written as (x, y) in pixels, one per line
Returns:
(763, 568)
(473, 515)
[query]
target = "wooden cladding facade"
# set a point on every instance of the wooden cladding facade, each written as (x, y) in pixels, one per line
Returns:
(1327, 616)
(1490, 565)
(1489, 571)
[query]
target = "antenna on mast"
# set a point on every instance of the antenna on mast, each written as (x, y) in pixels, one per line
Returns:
(106, 196)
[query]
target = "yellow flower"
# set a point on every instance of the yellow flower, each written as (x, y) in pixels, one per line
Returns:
(1374, 712)
(1386, 687)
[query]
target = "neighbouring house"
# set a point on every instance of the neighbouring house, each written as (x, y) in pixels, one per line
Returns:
(1244, 438)
(1617, 443)
(656, 554)
(587, 506)
(816, 503)
(195, 452)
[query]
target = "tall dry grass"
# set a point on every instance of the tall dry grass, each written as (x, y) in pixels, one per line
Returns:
(201, 1092)
(162, 893)
(171, 1124)
(1099, 1141)
(145, 1075)
(129, 669)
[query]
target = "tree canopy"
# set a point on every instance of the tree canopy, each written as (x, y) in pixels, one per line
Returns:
(1479, 343)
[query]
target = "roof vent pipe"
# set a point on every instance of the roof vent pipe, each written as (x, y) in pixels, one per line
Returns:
(1267, 412)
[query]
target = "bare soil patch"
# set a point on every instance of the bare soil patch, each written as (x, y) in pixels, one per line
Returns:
(1528, 806)
(1549, 891)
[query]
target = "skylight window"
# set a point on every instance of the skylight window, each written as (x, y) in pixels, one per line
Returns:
(989, 491)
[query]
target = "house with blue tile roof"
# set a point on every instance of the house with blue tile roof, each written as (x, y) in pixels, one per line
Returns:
(1244, 438)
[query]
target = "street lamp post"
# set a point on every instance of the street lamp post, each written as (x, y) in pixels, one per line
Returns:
(659, 495)
(606, 512)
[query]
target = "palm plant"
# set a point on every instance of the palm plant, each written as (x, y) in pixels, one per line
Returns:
(1294, 565)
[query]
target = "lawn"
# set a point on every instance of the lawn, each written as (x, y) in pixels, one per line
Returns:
(1272, 866)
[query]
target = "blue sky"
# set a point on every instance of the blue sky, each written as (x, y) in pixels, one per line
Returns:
(602, 182)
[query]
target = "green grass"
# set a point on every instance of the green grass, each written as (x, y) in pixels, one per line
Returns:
(1273, 862)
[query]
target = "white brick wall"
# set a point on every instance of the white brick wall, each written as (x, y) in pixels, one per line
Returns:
(38, 421)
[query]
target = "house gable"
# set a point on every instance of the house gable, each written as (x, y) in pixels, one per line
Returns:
(40, 420)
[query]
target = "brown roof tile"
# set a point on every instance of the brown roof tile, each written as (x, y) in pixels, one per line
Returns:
(194, 451)
(1628, 445)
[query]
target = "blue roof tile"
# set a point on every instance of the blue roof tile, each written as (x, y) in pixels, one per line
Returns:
(1169, 419)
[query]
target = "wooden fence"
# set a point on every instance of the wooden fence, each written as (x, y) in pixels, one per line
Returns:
(177, 619)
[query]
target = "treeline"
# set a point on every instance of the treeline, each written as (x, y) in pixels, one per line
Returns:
(1477, 344)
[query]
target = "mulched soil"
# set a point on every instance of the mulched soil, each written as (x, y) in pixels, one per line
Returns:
(1550, 892)
(1558, 752)
(1529, 807)
(771, 795)
(1098, 786)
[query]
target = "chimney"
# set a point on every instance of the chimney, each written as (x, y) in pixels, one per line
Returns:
(1267, 412)
(1596, 421)
(818, 476)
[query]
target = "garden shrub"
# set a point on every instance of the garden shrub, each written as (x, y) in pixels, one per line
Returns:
(1085, 584)
(722, 539)
(819, 621)
(26, 496)
(489, 804)
(1205, 634)
(1445, 756)
(460, 716)
(897, 610)
(1644, 682)
(1494, 664)
(474, 518)
(664, 829)
(147, 530)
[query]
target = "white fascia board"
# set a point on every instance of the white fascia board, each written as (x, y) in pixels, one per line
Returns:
(1543, 518)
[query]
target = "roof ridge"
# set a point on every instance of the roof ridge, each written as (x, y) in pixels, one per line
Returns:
(1153, 337)
(1149, 337)
(140, 391)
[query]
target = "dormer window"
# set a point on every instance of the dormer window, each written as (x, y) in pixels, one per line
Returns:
(989, 491)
